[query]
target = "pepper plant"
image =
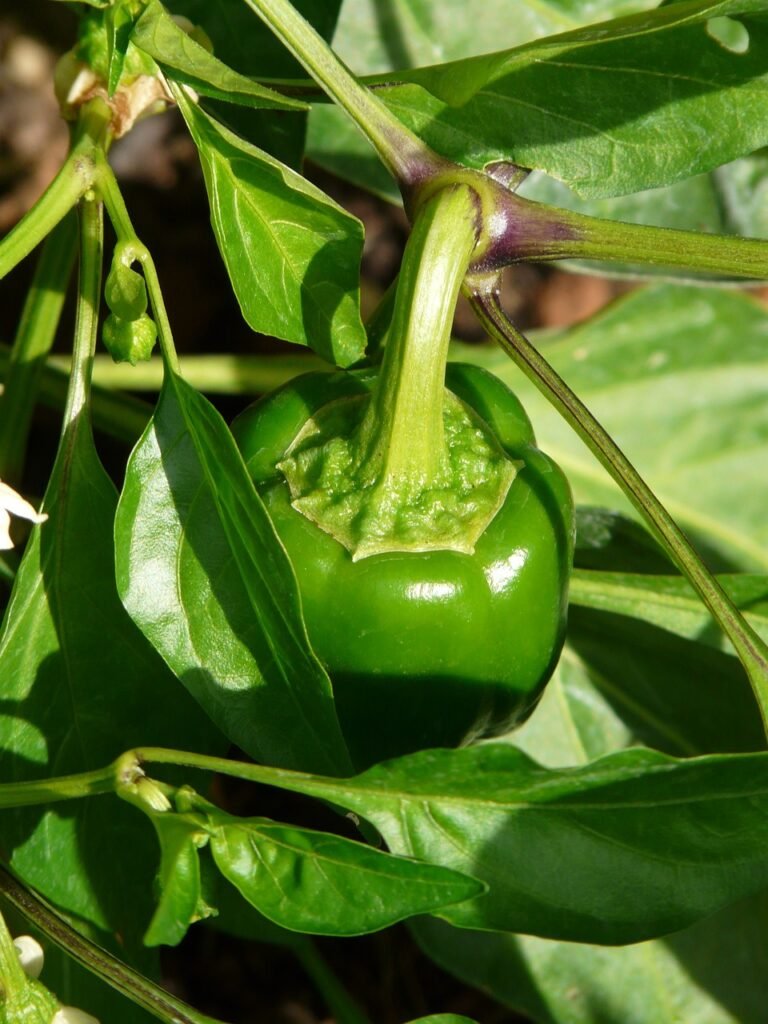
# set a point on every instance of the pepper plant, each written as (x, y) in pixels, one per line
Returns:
(358, 593)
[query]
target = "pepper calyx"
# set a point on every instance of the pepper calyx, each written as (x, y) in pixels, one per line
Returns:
(337, 487)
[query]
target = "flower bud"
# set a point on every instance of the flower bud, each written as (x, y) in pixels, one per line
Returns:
(30, 955)
(129, 341)
(71, 1015)
(125, 292)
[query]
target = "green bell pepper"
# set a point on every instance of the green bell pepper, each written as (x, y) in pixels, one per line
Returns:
(426, 648)
(431, 540)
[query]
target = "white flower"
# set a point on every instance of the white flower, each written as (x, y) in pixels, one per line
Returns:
(30, 954)
(12, 503)
(69, 1015)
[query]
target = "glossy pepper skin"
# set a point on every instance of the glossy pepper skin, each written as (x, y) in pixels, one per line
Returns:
(435, 648)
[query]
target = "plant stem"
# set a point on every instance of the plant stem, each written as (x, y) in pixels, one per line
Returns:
(120, 976)
(66, 787)
(118, 214)
(402, 432)
(751, 650)
(218, 374)
(34, 337)
(404, 155)
(87, 317)
(528, 230)
(73, 180)
(668, 247)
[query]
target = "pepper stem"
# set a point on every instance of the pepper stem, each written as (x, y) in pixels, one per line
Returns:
(412, 469)
(402, 434)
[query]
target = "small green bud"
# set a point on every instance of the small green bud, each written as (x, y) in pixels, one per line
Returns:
(129, 341)
(125, 292)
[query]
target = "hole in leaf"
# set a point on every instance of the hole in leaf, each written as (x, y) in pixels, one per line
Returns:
(732, 35)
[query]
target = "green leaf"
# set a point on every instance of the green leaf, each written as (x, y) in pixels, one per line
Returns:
(380, 38)
(293, 255)
(556, 847)
(678, 376)
(704, 974)
(186, 61)
(670, 603)
(699, 974)
(181, 901)
(391, 37)
(202, 573)
(244, 42)
(323, 884)
(119, 26)
(80, 685)
(589, 106)
(90, 3)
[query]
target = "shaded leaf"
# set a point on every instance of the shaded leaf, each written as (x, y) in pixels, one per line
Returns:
(186, 61)
(636, 683)
(244, 42)
(293, 255)
(77, 986)
(557, 847)
(202, 573)
(670, 602)
(678, 376)
(80, 685)
(610, 540)
(699, 974)
(443, 1018)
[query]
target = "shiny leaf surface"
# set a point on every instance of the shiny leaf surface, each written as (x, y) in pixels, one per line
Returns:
(689, 834)
(201, 572)
(292, 254)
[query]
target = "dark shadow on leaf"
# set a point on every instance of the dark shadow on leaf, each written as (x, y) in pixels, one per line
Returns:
(321, 298)
(676, 695)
